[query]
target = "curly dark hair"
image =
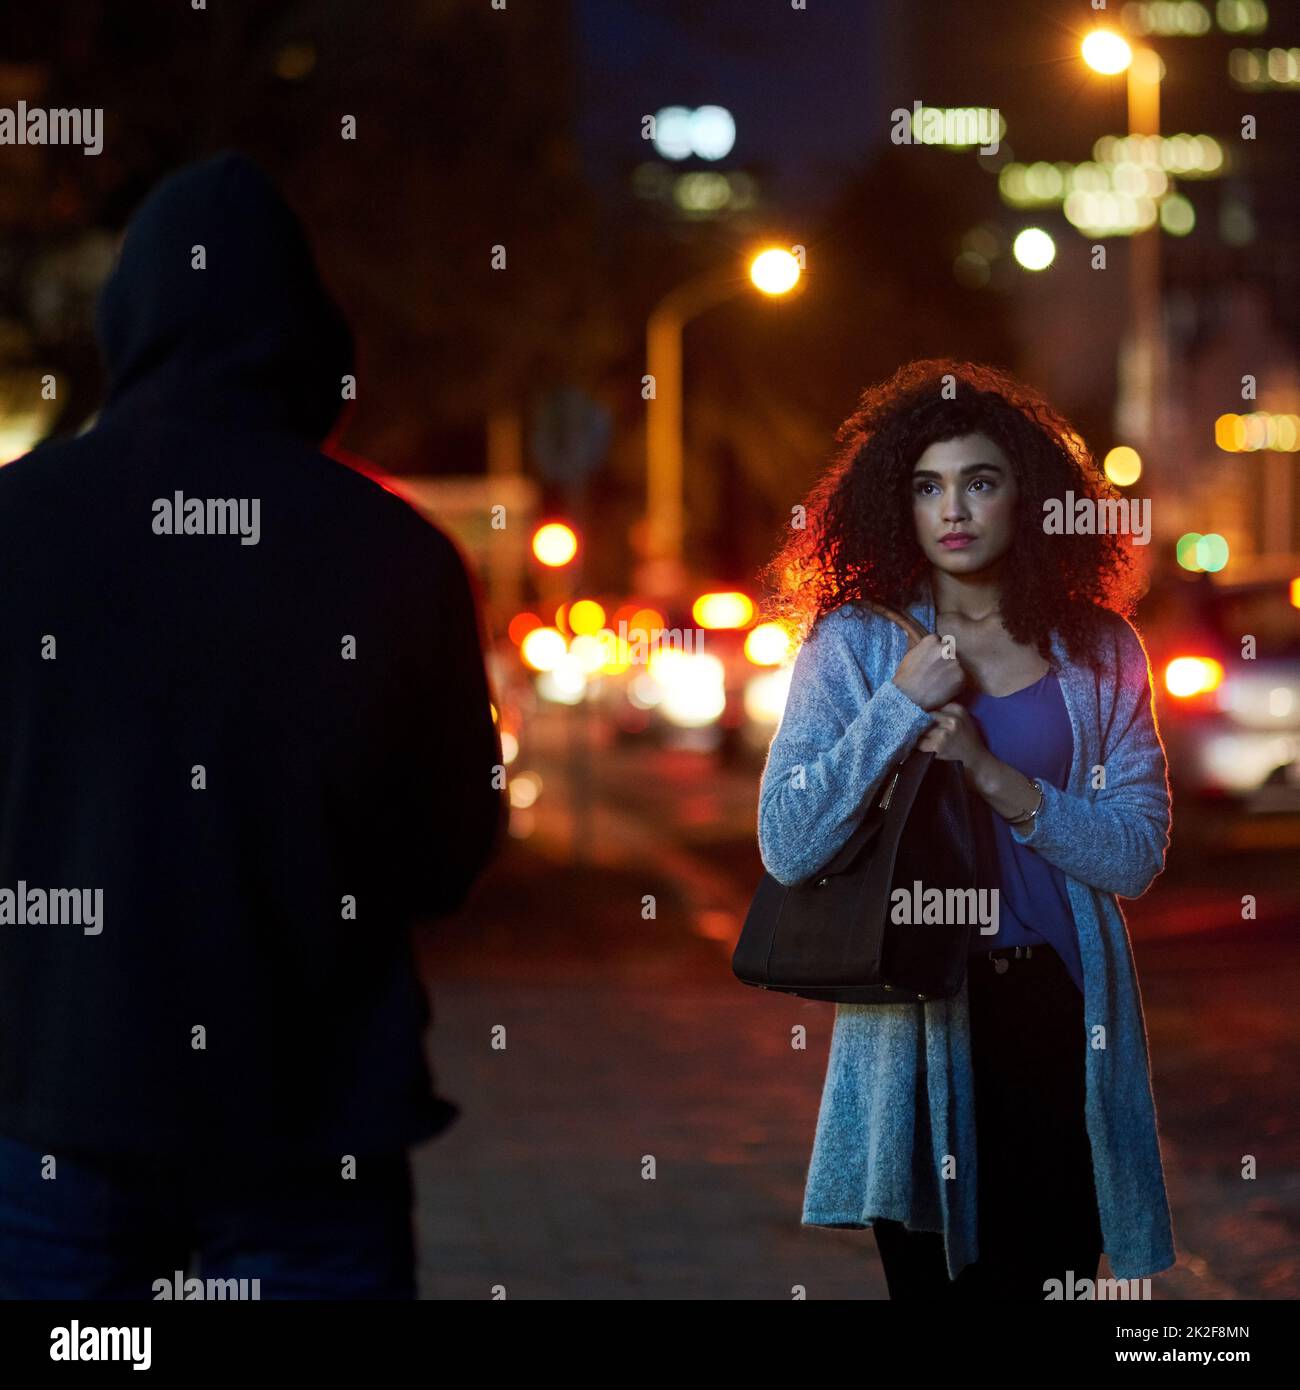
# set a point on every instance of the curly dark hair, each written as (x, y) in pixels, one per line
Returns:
(859, 541)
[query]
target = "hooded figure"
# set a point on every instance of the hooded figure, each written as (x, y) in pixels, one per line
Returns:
(244, 710)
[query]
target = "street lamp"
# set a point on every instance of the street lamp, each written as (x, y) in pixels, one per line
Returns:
(1142, 374)
(774, 272)
(1106, 53)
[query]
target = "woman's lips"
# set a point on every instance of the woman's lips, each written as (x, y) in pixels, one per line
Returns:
(956, 542)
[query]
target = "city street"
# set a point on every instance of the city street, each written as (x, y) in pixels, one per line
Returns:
(629, 1042)
(439, 443)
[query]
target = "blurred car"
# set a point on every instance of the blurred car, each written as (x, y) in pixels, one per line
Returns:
(1226, 663)
(703, 674)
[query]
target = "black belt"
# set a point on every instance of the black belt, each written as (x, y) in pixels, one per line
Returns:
(1004, 954)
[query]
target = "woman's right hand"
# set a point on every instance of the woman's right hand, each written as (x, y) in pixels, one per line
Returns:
(927, 677)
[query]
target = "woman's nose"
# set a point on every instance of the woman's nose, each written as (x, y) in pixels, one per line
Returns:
(954, 507)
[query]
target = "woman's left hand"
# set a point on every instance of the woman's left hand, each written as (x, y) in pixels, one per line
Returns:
(954, 737)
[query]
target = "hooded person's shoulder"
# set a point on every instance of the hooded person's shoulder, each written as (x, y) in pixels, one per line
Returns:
(40, 473)
(376, 500)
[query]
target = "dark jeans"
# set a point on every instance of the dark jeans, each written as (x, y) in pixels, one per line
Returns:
(107, 1229)
(1036, 1198)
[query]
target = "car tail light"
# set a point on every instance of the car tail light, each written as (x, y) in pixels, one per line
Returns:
(1187, 676)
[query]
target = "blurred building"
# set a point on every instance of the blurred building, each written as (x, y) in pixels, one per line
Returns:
(1220, 192)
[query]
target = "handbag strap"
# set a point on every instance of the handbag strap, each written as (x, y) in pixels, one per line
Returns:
(915, 631)
(873, 814)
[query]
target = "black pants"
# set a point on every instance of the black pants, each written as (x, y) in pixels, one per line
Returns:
(1036, 1198)
(111, 1228)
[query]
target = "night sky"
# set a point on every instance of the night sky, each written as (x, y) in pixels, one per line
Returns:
(783, 74)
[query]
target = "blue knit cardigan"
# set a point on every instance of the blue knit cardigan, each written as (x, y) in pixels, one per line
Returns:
(845, 725)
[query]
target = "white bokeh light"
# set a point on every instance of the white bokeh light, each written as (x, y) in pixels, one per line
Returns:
(713, 132)
(706, 131)
(673, 132)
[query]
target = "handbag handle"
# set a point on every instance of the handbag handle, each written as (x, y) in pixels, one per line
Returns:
(908, 623)
(915, 632)
(873, 814)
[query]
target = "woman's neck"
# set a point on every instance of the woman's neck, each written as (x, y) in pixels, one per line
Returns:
(974, 596)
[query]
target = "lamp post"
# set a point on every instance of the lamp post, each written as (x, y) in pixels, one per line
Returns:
(773, 272)
(1142, 371)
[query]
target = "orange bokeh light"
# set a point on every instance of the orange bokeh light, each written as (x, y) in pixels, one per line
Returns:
(521, 625)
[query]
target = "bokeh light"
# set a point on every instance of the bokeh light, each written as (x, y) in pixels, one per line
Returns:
(1106, 53)
(525, 789)
(1211, 553)
(723, 610)
(1177, 216)
(1034, 249)
(555, 544)
(521, 625)
(766, 694)
(586, 616)
(1192, 675)
(774, 271)
(543, 648)
(1123, 465)
(767, 645)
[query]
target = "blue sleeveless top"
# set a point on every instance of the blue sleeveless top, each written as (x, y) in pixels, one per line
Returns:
(1030, 730)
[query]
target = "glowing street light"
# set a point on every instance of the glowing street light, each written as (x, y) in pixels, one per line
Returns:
(1106, 53)
(774, 271)
(1142, 365)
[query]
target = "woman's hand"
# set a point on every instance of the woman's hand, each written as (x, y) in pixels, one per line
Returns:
(955, 737)
(926, 676)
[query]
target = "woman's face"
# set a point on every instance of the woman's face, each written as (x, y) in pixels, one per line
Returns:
(963, 504)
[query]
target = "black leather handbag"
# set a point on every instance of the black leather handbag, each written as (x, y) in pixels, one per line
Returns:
(833, 937)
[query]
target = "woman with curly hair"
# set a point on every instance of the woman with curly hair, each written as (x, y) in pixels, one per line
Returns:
(997, 1142)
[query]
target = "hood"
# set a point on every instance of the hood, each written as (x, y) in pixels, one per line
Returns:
(252, 338)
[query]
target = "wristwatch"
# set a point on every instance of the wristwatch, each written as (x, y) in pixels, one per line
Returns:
(1027, 817)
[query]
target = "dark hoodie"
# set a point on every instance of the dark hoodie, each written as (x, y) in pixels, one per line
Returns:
(232, 1000)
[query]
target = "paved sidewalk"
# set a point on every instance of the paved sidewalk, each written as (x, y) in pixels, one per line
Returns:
(627, 1146)
(646, 1130)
